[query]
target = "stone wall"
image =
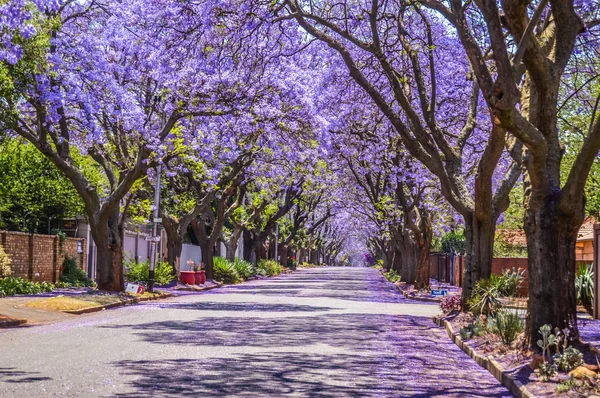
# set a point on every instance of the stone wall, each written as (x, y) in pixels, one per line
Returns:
(40, 257)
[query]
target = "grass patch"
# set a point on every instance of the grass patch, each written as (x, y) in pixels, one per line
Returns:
(83, 301)
(61, 303)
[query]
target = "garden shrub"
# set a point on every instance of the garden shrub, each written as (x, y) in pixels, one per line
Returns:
(5, 263)
(485, 297)
(225, 271)
(482, 325)
(291, 263)
(546, 371)
(270, 267)
(72, 275)
(584, 286)
(509, 282)
(393, 276)
(309, 265)
(568, 360)
(140, 272)
(450, 304)
(244, 269)
(508, 325)
(10, 286)
(486, 293)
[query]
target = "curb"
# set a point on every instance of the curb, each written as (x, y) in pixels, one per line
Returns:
(488, 363)
(191, 289)
(424, 299)
(12, 322)
(134, 300)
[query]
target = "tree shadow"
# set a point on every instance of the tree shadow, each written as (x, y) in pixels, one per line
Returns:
(12, 375)
(244, 307)
(304, 354)
(372, 355)
(327, 285)
(297, 374)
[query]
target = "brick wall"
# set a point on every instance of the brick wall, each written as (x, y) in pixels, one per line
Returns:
(500, 264)
(39, 257)
(440, 267)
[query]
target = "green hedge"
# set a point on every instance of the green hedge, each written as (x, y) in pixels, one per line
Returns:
(10, 286)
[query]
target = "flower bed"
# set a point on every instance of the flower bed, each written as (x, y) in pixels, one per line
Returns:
(515, 367)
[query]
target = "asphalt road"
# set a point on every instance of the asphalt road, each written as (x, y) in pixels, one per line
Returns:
(330, 332)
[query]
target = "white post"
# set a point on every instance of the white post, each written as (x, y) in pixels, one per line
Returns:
(153, 242)
(276, 241)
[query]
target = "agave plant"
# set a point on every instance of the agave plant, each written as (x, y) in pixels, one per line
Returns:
(584, 286)
(485, 298)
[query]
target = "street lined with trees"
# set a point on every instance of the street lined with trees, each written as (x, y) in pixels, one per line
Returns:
(322, 132)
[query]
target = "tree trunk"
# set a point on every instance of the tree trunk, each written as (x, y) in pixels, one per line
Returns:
(424, 251)
(406, 255)
(174, 245)
(301, 255)
(551, 260)
(207, 258)
(479, 251)
(109, 259)
(314, 257)
(232, 244)
(231, 247)
(422, 277)
(261, 249)
(283, 253)
(249, 245)
(174, 249)
(388, 258)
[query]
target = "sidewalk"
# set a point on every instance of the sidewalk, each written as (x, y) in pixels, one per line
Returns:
(14, 307)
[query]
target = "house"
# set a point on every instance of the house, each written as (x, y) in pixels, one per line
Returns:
(584, 250)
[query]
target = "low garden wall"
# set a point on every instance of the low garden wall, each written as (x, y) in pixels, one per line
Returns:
(39, 257)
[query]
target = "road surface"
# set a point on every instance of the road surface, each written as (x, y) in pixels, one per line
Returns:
(328, 332)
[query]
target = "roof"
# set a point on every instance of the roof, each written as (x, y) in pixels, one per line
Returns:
(586, 231)
(513, 237)
(516, 237)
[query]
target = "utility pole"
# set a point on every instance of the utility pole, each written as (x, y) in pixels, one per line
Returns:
(276, 241)
(155, 220)
(155, 239)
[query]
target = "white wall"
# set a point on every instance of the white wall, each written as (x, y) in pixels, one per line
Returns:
(189, 252)
(129, 246)
(239, 253)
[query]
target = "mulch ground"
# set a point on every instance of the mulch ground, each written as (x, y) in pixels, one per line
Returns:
(520, 366)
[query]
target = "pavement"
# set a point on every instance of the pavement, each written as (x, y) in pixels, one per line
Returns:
(14, 307)
(324, 332)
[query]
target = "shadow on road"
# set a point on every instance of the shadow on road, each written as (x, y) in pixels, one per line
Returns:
(308, 356)
(300, 375)
(12, 375)
(245, 307)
